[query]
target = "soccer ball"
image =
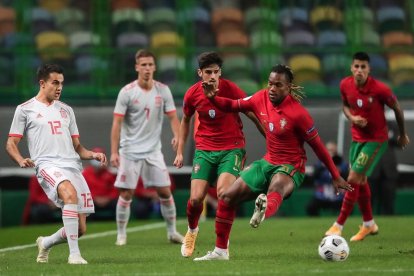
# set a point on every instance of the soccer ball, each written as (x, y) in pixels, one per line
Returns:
(333, 248)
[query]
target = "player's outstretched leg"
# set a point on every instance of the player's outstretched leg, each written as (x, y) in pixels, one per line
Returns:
(215, 255)
(43, 255)
(259, 211)
(187, 248)
(76, 259)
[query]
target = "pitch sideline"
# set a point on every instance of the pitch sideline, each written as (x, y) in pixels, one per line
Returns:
(98, 235)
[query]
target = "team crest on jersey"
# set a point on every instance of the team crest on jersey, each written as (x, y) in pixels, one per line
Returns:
(123, 178)
(196, 168)
(212, 113)
(282, 123)
(63, 113)
(158, 101)
(57, 174)
(359, 103)
(271, 127)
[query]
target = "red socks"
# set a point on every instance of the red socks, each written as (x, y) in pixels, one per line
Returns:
(193, 214)
(348, 204)
(224, 220)
(274, 200)
(364, 201)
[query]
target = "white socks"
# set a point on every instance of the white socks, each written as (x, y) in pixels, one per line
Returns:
(123, 212)
(71, 225)
(169, 213)
(58, 237)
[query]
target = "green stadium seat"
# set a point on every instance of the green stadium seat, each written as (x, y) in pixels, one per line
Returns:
(161, 20)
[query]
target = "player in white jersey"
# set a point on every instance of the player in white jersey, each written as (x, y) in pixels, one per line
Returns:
(136, 144)
(55, 153)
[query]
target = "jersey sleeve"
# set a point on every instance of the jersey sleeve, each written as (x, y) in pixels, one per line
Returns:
(121, 103)
(73, 127)
(168, 100)
(342, 91)
(188, 107)
(387, 96)
(18, 124)
(306, 126)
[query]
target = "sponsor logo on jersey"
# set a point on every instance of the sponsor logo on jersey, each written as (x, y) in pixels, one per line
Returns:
(271, 127)
(57, 174)
(359, 103)
(63, 113)
(212, 113)
(39, 116)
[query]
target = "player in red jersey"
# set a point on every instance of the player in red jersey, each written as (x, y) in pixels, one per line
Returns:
(287, 126)
(363, 100)
(219, 141)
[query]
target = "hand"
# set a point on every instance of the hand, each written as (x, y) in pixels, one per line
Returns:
(403, 141)
(26, 163)
(99, 156)
(210, 88)
(115, 160)
(359, 121)
(178, 162)
(340, 183)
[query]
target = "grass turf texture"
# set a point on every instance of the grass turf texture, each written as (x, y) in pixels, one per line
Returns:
(279, 246)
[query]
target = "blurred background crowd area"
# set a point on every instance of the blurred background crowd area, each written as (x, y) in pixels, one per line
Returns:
(95, 41)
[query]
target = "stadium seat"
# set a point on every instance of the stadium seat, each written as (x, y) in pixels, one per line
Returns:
(370, 37)
(125, 4)
(379, 65)
(149, 4)
(70, 20)
(161, 20)
(133, 40)
(83, 39)
(336, 64)
(326, 17)
(397, 38)
(299, 38)
(258, 18)
(40, 20)
(53, 5)
(232, 39)
(331, 38)
(7, 75)
(307, 67)
(237, 67)
(170, 68)
(261, 39)
(128, 20)
(292, 16)
(166, 39)
(314, 88)
(391, 19)
(52, 45)
(229, 16)
(7, 21)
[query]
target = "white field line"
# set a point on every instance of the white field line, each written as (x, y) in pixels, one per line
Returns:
(96, 235)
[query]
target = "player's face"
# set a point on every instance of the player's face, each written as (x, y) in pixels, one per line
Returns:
(145, 67)
(278, 87)
(360, 70)
(52, 87)
(211, 73)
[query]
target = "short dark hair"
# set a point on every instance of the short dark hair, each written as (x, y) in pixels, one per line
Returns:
(44, 71)
(284, 69)
(361, 56)
(208, 58)
(143, 53)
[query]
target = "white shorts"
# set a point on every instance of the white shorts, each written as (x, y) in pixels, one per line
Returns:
(49, 179)
(153, 171)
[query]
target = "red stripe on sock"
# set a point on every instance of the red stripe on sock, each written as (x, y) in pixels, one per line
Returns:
(274, 200)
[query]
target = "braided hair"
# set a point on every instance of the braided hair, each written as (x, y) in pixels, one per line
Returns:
(295, 90)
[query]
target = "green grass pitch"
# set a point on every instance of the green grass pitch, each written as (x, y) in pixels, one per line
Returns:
(280, 246)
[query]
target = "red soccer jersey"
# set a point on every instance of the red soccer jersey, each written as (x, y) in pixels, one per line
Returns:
(101, 184)
(287, 127)
(217, 130)
(368, 102)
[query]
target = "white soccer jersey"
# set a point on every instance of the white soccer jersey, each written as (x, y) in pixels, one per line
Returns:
(49, 131)
(143, 113)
